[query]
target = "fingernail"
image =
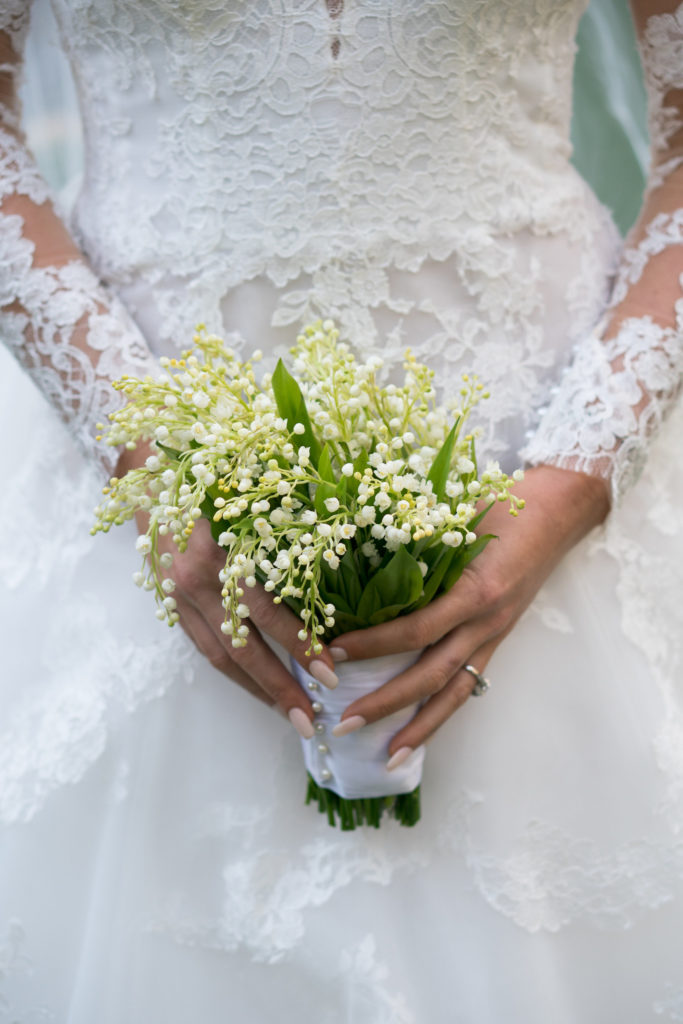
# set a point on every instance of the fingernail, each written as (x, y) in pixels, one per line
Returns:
(320, 671)
(302, 723)
(338, 654)
(349, 725)
(398, 758)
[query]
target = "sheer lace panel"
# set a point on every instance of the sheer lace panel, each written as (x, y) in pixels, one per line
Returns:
(617, 391)
(54, 314)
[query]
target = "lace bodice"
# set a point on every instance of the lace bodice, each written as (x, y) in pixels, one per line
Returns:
(333, 155)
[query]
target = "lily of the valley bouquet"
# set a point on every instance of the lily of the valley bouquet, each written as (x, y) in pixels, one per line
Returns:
(352, 501)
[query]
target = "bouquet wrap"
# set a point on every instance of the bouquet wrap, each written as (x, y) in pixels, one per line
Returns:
(354, 766)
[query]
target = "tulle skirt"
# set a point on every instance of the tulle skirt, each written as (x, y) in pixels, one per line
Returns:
(157, 862)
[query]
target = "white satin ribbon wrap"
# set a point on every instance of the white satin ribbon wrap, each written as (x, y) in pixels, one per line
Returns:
(357, 762)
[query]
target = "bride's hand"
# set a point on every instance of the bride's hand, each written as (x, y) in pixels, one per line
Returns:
(255, 666)
(464, 626)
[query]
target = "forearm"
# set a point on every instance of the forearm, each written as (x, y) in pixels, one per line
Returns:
(626, 375)
(56, 317)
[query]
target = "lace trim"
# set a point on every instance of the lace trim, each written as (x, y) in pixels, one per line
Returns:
(69, 334)
(14, 20)
(660, 50)
(61, 325)
(610, 401)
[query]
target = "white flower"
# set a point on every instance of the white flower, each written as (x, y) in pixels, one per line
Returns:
(200, 399)
(464, 465)
(331, 504)
(153, 463)
(454, 488)
(452, 539)
(168, 586)
(144, 544)
(299, 428)
(347, 469)
(309, 516)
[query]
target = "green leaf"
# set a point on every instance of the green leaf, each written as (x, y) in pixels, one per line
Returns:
(345, 623)
(338, 601)
(340, 491)
(395, 586)
(359, 465)
(435, 575)
(441, 465)
(171, 452)
(466, 555)
(392, 611)
(325, 466)
(322, 492)
(292, 407)
(208, 511)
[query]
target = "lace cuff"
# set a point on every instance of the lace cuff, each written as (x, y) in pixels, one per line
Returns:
(610, 401)
(622, 382)
(55, 316)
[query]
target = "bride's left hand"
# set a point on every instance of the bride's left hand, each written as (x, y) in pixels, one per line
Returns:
(465, 626)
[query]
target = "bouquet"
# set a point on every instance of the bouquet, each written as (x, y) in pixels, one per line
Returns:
(351, 500)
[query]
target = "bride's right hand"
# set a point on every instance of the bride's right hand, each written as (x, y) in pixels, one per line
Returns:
(255, 666)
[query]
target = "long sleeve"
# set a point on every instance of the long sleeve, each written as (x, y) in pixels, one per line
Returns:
(55, 316)
(627, 374)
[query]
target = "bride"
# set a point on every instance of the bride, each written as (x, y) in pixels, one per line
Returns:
(405, 169)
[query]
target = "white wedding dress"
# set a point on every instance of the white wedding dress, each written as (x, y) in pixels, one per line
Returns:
(404, 168)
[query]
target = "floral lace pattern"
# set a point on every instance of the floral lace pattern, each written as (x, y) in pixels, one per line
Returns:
(71, 336)
(616, 393)
(284, 90)
(660, 52)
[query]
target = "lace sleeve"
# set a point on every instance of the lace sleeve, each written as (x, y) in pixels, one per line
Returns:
(627, 374)
(55, 316)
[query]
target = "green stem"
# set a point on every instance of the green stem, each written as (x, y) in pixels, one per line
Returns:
(351, 814)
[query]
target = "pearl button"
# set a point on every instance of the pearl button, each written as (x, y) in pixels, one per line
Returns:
(323, 748)
(317, 707)
(325, 775)
(312, 685)
(319, 727)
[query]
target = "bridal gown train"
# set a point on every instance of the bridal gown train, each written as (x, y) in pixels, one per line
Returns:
(404, 168)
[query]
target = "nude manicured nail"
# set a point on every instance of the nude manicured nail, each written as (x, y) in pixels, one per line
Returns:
(349, 725)
(320, 671)
(398, 758)
(338, 654)
(302, 723)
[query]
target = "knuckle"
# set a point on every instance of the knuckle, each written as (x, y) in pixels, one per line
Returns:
(417, 633)
(187, 575)
(221, 661)
(500, 621)
(439, 675)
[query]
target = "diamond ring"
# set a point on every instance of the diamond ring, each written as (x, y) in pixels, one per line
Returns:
(481, 684)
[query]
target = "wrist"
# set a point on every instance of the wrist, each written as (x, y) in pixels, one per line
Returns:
(573, 502)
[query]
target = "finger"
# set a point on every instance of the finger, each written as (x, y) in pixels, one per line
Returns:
(429, 675)
(413, 632)
(439, 708)
(258, 661)
(280, 622)
(205, 640)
